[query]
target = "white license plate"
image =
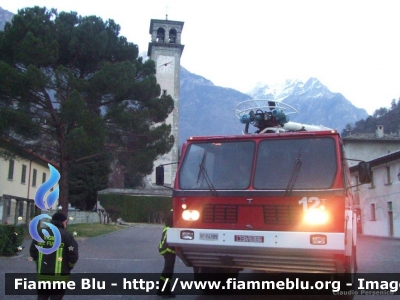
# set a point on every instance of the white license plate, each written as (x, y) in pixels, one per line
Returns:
(209, 236)
(249, 238)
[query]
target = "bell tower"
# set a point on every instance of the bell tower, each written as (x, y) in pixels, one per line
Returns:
(166, 49)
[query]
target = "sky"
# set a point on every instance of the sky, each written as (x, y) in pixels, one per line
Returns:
(351, 46)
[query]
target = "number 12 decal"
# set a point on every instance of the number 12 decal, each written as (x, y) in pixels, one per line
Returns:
(315, 202)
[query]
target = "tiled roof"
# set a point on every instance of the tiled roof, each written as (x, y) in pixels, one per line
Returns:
(31, 153)
(372, 136)
(45, 159)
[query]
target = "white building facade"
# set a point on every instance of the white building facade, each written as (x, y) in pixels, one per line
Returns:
(379, 201)
(20, 177)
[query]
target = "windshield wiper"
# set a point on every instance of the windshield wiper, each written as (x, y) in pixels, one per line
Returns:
(202, 170)
(294, 175)
(208, 180)
(201, 164)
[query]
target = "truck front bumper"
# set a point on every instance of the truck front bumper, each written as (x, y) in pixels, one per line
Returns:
(273, 251)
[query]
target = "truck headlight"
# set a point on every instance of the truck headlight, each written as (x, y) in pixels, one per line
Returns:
(190, 215)
(316, 216)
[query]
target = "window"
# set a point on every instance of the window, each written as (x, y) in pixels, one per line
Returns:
(172, 36)
(372, 186)
(34, 175)
(388, 179)
(373, 216)
(165, 93)
(23, 174)
(308, 163)
(160, 35)
(20, 208)
(356, 199)
(44, 177)
(357, 183)
(390, 206)
(225, 165)
(8, 207)
(11, 170)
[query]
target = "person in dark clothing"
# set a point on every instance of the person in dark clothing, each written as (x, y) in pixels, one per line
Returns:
(55, 266)
(169, 254)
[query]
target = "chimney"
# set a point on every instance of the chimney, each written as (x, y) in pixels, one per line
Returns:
(379, 131)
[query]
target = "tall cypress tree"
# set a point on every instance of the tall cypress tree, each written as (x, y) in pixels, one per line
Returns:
(73, 90)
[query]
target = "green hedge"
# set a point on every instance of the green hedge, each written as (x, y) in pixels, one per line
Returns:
(11, 237)
(141, 209)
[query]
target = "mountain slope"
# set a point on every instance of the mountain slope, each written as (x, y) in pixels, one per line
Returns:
(206, 109)
(5, 16)
(388, 118)
(315, 103)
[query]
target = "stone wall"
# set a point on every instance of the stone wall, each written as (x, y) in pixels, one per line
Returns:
(77, 217)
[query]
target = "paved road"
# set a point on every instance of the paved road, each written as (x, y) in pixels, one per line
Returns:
(134, 250)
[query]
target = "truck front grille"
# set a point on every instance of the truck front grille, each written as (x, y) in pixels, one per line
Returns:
(219, 213)
(273, 214)
(282, 214)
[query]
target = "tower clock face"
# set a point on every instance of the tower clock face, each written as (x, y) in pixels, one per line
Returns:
(165, 64)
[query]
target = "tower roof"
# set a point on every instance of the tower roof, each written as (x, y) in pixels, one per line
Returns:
(157, 22)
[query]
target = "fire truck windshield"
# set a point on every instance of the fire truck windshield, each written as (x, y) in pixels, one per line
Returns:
(277, 158)
(228, 165)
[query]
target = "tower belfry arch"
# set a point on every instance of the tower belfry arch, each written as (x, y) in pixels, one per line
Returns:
(166, 49)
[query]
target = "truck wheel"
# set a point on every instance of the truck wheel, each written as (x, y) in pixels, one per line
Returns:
(203, 273)
(209, 273)
(198, 273)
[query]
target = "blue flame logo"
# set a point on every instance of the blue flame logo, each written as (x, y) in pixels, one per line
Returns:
(45, 205)
(45, 187)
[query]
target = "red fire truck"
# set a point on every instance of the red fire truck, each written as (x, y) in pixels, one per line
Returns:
(277, 200)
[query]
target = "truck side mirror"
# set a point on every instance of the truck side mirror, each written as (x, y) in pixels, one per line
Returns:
(364, 172)
(160, 175)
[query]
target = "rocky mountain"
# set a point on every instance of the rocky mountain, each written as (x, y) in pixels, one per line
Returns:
(206, 109)
(5, 16)
(314, 102)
